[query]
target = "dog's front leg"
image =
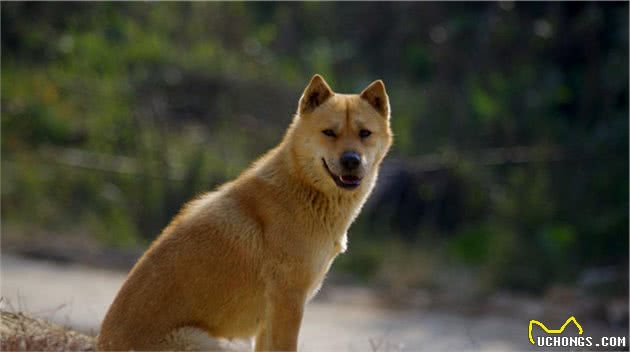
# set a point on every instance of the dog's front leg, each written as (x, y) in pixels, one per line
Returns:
(282, 324)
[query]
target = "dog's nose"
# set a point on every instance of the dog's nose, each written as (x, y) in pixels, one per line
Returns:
(350, 160)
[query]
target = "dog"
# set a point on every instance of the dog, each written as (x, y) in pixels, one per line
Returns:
(242, 261)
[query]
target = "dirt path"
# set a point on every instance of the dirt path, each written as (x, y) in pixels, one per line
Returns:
(78, 297)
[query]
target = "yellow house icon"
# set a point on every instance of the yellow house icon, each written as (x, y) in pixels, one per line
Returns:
(553, 331)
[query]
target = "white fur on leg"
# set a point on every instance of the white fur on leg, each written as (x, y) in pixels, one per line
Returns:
(194, 339)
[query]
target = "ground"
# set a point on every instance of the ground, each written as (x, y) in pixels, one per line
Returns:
(343, 319)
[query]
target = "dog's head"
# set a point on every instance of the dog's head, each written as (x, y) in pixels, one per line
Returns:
(339, 140)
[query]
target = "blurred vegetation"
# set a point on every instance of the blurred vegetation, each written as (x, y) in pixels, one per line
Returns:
(511, 123)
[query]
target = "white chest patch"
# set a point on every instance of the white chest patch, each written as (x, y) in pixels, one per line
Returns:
(341, 244)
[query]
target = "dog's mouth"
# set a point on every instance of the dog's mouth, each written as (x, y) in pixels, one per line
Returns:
(343, 181)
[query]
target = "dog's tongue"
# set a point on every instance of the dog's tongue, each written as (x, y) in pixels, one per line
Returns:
(349, 179)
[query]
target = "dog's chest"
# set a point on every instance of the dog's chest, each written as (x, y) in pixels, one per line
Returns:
(322, 259)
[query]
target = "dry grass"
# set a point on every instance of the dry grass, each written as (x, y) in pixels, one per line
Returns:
(19, 332)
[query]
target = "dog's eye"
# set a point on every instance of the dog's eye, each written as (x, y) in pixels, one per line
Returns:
(364, 133)
(329, 133)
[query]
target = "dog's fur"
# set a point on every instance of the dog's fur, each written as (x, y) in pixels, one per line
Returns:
(242, 261)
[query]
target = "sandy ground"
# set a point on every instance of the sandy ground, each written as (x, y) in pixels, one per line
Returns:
(78, 297)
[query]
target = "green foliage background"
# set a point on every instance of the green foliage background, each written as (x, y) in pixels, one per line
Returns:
(114, 114)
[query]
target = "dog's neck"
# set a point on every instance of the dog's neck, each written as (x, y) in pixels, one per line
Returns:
(280, 168)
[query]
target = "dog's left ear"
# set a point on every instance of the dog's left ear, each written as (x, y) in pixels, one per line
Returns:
(376, 95)
(315, 94)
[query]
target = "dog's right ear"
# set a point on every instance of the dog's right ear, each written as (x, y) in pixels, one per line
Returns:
(315, 94)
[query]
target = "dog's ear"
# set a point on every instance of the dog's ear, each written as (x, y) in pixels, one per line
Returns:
(315, 94)
(376, 95)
